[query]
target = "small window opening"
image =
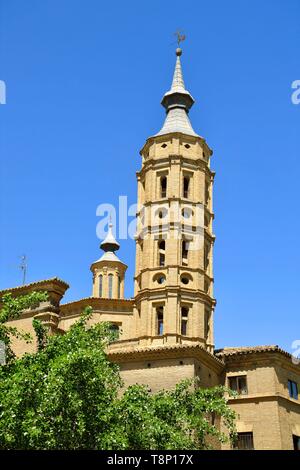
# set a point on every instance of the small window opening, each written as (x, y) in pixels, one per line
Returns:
(163, 186)
(239, 384)
(186, 185)
(100, 285)
(110, 286)
(184, 320)
(115, 330)
(185, 252)
(160, 321)
(161, 252)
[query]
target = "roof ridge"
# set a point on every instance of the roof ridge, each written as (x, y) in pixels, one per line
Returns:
(95, 298)
(141, 349)
(43, 281)
(226, 348)
(234, 351)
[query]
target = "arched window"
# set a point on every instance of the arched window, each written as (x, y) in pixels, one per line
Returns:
(142, 217)
(140, 247)
(206, 256)
(161, 213)
(119, 287)
(161, 252)
(160, 278)
(160, 321)
(207, 192)
(163, 186)
(187, 212)
(206, 323)
(186, 186)
(186, 278)
(100, 285)
(185, 252)
(110, 286)
(184, 320)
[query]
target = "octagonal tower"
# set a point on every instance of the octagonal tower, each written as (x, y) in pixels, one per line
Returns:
(174, 242)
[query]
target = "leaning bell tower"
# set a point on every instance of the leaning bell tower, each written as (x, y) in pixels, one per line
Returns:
(174, 300)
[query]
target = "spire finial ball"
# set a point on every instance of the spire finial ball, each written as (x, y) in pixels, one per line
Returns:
(178, 51)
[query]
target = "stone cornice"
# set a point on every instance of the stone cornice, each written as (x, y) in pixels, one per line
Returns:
(187, 138)
(53, 282)
(54, 287)
(196, 294)
(179, 267)
(161, 162)
(196, 351)
(111, 263)
(167, 200)
(258, 355)
(45, 308)
(183, 228)
(237, 351)
(125, 305)
(263, 397)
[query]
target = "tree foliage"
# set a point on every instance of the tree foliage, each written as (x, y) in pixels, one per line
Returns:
(11, 309)
(68, 395)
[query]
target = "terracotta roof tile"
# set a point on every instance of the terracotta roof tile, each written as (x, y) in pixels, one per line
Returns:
(235, 351)
(36, 283)
(153, 349)
(95, 299)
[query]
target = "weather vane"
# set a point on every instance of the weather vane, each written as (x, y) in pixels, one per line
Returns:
(180, 37)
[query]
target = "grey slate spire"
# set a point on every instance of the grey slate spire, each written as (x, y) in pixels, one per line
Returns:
(109, 246)
(177, 102)
(109, 243)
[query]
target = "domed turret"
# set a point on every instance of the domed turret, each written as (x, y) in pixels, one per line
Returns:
(109, 270)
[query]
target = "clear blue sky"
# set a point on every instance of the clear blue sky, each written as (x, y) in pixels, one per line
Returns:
(84, 83)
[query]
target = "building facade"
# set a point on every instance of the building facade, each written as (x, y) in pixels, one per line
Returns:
(166, 329)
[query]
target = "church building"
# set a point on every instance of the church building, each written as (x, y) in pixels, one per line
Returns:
(165, 332)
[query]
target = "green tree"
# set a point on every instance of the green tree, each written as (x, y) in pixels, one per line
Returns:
(68, 396)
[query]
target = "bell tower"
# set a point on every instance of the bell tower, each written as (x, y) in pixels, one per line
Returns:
(174, 241)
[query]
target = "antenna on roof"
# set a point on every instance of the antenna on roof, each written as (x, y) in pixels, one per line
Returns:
(23, 267)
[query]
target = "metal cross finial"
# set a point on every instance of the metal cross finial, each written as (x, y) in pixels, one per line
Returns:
(180, 37)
